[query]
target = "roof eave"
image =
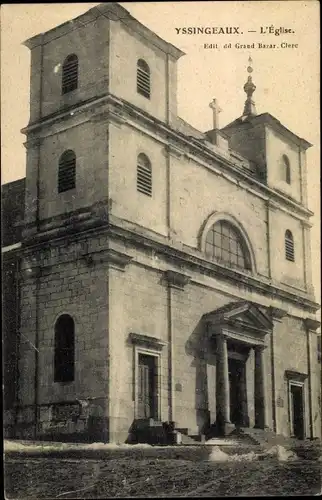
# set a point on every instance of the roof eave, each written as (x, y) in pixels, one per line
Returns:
(268, 119)
(113, 11)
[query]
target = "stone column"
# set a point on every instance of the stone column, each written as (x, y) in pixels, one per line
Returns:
(223, 396)
(260, 389)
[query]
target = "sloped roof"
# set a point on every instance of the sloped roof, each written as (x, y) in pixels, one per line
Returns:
(243, 310)
(111, 10)
(187, 129)
(267, 119)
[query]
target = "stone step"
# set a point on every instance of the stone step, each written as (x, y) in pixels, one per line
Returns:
(199, 438)
(263, 437)
(185, 439)
(183, 430)
(144, 423)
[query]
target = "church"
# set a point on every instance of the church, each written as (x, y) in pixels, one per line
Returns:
(154, 274)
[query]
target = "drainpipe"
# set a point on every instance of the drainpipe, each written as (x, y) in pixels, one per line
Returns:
(36, 381)
(268, 240)
(167, 91)
(168, 154)
(311, 326)
(168, 191)
(273, 382)
(17, 346)
(309, 372)
(170, 356)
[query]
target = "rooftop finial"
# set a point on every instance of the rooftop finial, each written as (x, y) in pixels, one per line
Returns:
(249, 88)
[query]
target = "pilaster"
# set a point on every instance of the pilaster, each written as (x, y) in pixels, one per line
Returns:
(261, 420)
(311, 325)
(176, 281)
(307, 257)
(31, 216)
(277, 315)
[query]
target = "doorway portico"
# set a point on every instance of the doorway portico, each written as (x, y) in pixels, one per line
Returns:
(239, 328)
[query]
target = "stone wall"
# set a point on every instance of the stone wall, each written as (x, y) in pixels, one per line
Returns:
(60, 281)
(90, 42)
(141, 302)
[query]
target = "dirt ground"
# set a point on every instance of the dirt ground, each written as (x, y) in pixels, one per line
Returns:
(37, 478)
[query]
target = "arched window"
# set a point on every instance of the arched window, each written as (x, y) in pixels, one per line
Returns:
(64, 363)
(143, 79)
(225, 244)
(67, 171)
(289, 245)
(70, 74)
(144, 175)
(286, 169)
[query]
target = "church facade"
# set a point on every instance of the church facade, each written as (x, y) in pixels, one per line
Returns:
(155, 273)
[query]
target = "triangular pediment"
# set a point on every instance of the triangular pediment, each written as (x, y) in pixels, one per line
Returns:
(240, 313)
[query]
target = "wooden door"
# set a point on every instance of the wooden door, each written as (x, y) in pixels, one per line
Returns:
(297, 411)
(147, 386)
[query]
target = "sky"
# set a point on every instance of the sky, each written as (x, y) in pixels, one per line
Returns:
(287, 79)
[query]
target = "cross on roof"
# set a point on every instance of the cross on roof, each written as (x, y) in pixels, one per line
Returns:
(216, 110)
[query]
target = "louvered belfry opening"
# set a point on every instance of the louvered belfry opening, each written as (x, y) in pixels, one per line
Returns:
(67, 171)
(70, 74)
(289, 246)
(143, 79)
(144, 175)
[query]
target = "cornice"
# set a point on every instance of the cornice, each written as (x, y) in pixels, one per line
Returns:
(179, 257)
(118, 110)
(176, 280)
(277, 314)
(146, 341)
(294, 375)
(114, 259)
(112, 11)
(312, 324)
(213, 269)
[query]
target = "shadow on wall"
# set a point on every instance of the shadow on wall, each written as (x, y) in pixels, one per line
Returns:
(203, 352)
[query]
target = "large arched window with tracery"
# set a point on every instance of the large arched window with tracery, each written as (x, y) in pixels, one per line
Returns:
(225, 244)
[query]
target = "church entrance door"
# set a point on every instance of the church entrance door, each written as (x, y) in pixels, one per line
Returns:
(237, 386)
(147, 386)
